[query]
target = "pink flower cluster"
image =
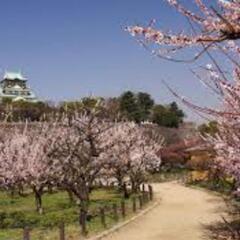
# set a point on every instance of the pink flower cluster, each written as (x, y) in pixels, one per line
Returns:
(209, 26)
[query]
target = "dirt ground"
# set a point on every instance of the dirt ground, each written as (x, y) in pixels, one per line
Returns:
(181, 215)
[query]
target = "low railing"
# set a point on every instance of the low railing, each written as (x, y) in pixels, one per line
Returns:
(117, 212)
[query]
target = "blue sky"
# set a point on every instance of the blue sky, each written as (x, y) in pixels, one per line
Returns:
(72, 48)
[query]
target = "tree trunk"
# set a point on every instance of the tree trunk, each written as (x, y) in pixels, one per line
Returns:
(120, 181)
(83, 217)
(38, 199)
(21, 191)
(50, 188)
(83, 197)
(125, 191)
(12, 192)
(134, 186)
(71, 196)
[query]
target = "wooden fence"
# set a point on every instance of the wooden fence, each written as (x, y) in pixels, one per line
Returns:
(118, 211)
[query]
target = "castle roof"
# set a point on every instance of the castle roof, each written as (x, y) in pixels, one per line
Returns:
(14, 76)
(16, 87)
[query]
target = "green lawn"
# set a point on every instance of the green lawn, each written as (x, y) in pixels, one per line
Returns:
(17, 212)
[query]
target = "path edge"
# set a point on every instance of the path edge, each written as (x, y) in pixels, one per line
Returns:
(123, 224)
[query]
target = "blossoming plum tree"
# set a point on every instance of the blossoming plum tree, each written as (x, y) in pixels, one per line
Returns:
(214, 28)
(24, 159)
(132, 153)
(80, 156)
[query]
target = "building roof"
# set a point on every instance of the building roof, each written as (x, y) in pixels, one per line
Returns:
(14, 76)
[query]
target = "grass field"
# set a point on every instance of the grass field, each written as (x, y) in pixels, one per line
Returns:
(17, 212)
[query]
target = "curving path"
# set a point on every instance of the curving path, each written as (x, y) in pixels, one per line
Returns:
(180, 215)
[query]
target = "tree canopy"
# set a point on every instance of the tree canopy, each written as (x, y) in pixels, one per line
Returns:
(140, 107)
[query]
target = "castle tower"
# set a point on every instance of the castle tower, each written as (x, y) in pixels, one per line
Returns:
(14, 86)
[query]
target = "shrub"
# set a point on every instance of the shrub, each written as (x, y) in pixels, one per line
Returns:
(198, 176)
(200, 161)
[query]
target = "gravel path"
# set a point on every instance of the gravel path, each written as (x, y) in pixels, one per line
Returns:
(180, 215)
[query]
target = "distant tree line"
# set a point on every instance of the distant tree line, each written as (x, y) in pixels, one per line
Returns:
(15, 111)
(130, 106)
